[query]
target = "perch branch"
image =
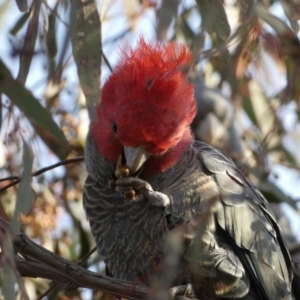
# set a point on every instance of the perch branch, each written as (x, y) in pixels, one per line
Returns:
(51, 266)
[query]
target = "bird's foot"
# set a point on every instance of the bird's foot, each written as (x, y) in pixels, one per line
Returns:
(182, 292)
(139, 190)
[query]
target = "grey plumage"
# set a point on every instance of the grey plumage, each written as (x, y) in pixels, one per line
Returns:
(241, 254)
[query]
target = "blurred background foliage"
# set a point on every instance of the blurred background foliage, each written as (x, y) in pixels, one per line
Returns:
(53, 56)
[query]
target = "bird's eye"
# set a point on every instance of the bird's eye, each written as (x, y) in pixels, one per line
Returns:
(114, 127)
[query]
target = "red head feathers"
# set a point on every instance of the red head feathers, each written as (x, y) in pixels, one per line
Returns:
(147, 102)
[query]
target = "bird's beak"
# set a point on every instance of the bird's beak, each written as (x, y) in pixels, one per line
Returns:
(135, 158)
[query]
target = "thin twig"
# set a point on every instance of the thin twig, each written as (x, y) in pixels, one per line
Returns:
(61, 163)
(53, 285)
(86, 256)
(106, 61)
(17, 179)
(10, 185)
(9, 178)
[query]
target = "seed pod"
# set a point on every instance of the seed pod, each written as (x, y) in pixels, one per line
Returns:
(130, 194)
(122, 171)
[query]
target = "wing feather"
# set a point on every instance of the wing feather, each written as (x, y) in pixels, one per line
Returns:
(247, 218)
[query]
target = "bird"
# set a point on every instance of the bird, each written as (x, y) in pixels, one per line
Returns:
(148, 177)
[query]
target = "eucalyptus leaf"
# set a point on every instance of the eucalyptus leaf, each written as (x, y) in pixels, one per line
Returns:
(214, 18)
(86, 44)
(8, 289)
(20, 23)
(25, 195)
(22, 5)
(279, 26)
(274, 194)
(292, 11)
(27, 51)
(185, 28)
(167, 13)
(40, 119)
(51, 42)
(215, 22)
(248, 107)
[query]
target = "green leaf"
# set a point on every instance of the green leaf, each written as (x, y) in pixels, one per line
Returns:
(248, 107)
(265, 115)
(40, 119)
(279, 26)
(51, 41)
(22, 5)
(166, 14)
(61, 58)
(9, 278)
(84, 241)
(214, 21)
(214, 18)
(273, 194)
(27, 51)
(292, 11)
(185, 28)
(25, 195)
(86, 44)
(20, 23)
(291, 45)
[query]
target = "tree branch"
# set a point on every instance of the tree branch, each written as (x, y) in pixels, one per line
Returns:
(49, 265)
(35, 269)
